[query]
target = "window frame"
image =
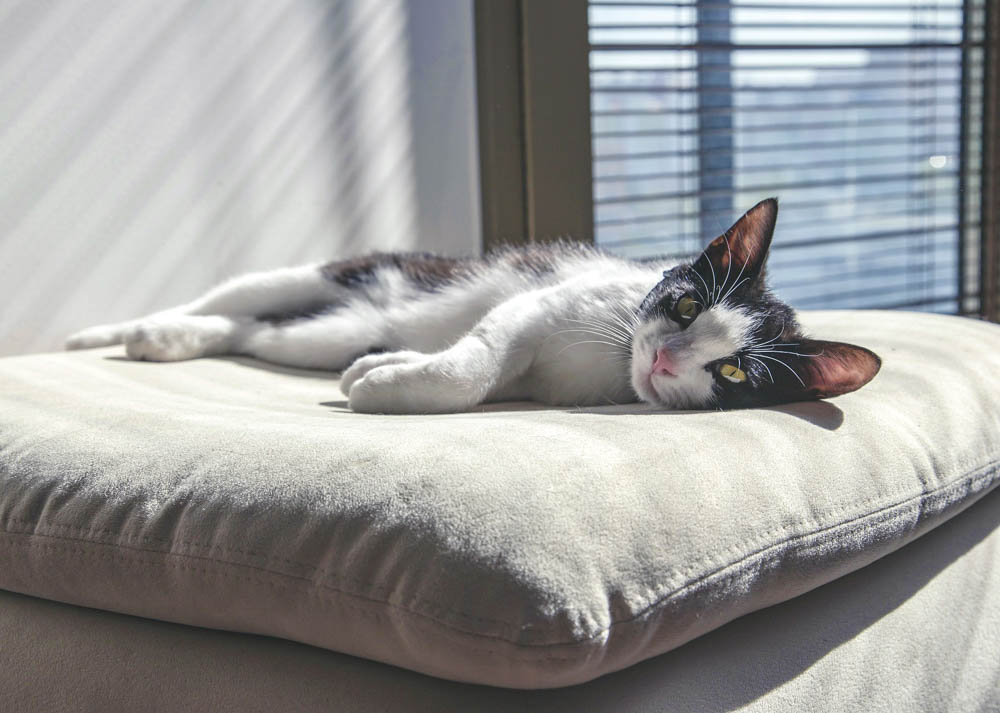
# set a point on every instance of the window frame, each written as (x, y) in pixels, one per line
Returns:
(989, 246)
(533, 76)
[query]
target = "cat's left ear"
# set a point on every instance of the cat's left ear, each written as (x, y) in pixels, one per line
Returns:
(816, 369)
(742, 250)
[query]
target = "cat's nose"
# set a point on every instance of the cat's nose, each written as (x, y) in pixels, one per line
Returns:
(664, 362)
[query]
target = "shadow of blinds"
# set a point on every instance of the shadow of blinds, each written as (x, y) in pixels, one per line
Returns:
(863, 118)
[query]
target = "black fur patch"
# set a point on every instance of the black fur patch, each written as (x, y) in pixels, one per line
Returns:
(540, 259)
(427, 271)
(277, 319)
(536, 260)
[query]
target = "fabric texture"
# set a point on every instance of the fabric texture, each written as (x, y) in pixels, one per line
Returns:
(515, 546)
(915, 632)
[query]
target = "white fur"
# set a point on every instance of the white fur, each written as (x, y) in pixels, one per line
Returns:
(178, 337)
(564, 337)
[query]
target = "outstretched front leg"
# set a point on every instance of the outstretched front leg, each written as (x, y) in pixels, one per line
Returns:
(495, 353)
(538, 346)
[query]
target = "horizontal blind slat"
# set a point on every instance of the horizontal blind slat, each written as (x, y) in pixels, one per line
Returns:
(733, 47)
(765, 188)
(801, 106)
(862, 6)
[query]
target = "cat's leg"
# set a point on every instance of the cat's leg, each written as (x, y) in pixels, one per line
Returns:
(271, 293)
(499, 349)
(327, 341)
(330, 341)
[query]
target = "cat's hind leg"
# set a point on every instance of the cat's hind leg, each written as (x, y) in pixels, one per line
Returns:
(181, 337)
(328, 341)
(103, 335)
(325, 341)
(283, 293)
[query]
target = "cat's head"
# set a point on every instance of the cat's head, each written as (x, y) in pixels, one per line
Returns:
(711, 334)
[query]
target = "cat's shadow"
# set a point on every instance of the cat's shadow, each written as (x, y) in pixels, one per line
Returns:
(249, 362)
(819, 413)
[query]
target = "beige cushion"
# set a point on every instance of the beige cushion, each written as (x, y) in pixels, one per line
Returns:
(915, 632)
(517, 546)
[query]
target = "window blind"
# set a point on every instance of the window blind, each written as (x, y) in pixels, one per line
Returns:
(864, 118)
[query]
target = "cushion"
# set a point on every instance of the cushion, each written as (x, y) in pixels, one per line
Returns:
(515, 546)
(915, 632)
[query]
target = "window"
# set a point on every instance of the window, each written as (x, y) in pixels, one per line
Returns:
(877, 124)
(855, 114)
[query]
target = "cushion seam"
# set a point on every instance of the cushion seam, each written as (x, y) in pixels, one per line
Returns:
(263, 559)
(334, 601)
(985, 473)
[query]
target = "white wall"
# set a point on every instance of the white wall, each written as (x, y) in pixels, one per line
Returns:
(150, 149)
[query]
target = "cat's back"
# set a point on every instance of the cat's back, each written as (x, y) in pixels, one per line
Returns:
(503, 272)
(576, 266)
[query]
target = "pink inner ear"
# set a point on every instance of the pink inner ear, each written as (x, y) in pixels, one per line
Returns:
(747, 240)
(837, 368)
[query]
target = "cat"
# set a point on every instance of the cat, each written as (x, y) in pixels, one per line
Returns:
(563, 324)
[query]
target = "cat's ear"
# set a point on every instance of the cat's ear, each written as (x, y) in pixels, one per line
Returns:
(816, 369)
(742, 250)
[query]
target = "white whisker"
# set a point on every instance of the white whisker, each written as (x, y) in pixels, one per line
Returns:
(794, 373)
(604, 327)
(614, 339)
(712, 300)
(705, 296)
(776, 336)
(620, 321)
(770, 376)
(594, 325)
(779, 351)
(729, 264)
(585, 331)
(586, 341)
(734, 287)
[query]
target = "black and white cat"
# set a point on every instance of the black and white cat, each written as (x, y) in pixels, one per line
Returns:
(563, 324)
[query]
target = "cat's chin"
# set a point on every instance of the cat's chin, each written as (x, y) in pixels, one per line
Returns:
(690, 390)
(644, 389)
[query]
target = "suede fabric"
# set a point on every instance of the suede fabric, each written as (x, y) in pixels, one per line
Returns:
(515, 546)
(914, 632)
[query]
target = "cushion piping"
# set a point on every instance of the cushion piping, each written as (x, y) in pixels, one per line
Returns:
(984, 477)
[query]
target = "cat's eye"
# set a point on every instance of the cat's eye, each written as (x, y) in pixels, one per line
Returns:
(732, 373)
(686, 309)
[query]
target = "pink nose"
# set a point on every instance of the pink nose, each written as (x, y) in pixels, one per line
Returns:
(664, 362)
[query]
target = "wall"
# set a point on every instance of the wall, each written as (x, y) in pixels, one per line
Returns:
(150, 150)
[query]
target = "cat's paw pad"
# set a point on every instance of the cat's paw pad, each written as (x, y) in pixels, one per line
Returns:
(176, 339)
(365, 364)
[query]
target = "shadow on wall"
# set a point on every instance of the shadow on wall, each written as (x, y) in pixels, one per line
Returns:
(151, 151)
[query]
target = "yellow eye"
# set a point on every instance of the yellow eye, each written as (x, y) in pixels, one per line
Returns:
(687, 308)
(732, 373)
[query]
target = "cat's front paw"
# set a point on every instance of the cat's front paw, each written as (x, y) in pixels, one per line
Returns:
(428, 386)
(363, 365)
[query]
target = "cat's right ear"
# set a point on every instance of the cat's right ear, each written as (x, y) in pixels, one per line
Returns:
(743, 248)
